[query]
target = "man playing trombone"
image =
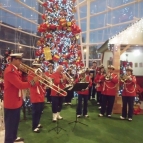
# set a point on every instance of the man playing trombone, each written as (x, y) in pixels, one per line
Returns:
(13, 97)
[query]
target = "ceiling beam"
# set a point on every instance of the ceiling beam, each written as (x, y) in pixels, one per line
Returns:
(125, 49)
(31, 8)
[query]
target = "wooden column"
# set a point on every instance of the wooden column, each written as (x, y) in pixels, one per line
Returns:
(117, 109)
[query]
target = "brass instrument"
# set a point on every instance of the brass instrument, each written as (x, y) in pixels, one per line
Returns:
(46, 81)
(83, 76)
(124, 78)
(69, 79)
(108, 77)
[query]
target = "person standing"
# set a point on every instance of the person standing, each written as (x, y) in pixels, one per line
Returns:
(37, 99)
(48, 90)
(83, 95)
(109, 91)
(57, 99)
(99, 84)
(70, 93)
(128, 94)
(13, 98)
(94, 70)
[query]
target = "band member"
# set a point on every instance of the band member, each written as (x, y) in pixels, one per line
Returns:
(48, 90)
(99, 84)
(91, 74)
(94, 68)
(128, 94)
(83, 94)
(12, 98)
(109, 91)
(70, 93)
(57, 99)
(37, 100)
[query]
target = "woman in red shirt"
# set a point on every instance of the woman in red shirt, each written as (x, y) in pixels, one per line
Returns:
(128, 94)
(99, 84)
(37, 93)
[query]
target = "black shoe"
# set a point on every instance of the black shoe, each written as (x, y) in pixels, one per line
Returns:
(19, 139)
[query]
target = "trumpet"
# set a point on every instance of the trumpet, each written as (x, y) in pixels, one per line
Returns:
(46, 81)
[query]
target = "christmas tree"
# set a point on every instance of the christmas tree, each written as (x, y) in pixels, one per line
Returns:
(6, 58)
(59, 42)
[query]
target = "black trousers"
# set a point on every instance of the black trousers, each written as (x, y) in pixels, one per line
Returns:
(107, 101)
(57, 102)
(93, 91)
(85, 103)
(37, 109)
(127, 101)
(69, 96)
(90, 93)
(11, 118)
(48, 95)
(99, 97)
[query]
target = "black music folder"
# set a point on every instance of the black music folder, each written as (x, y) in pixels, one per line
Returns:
(80, 85)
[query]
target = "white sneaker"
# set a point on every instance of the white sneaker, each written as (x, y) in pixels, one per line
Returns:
(86, 116)
(69, 103)
(78, 116)
(109, 116)
(58, 116)
(36, 130)
(39, 126)
(122, 118)
(98, 103)
(100, 115)
(66, 103)
(99, 107)
(54, 117)
(130, 119)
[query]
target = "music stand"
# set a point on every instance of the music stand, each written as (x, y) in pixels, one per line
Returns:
(78, 87)
(57, 128)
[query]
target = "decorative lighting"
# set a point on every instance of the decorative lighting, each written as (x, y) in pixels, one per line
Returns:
(84, 50)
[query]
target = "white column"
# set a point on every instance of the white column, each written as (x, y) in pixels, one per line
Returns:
(78, 15)
(87, 33)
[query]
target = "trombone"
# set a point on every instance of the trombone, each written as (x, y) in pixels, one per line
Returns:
(124, 78)
(44, 80)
